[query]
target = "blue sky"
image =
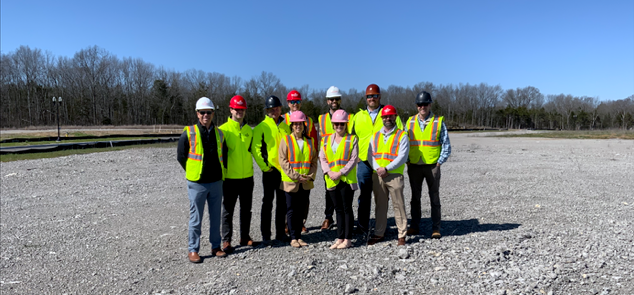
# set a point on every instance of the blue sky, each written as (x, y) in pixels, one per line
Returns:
(570, 47)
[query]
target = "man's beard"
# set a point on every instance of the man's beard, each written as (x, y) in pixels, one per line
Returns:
(389, 124)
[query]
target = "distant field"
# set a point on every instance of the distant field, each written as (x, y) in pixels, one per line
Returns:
(66, 140)
(586, 134)
(32, 156)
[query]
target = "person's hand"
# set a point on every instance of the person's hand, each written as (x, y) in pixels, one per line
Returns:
(382, 172)
(437, 164)
(334, 175)
(303, 178)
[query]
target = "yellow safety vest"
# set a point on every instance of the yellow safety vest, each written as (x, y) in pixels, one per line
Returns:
(338, 160)
(364, 128)
(325, 125)
(424, 144)
(238, 139)
(268, 133)
(299, 159)
(386, 151)
(194, 166)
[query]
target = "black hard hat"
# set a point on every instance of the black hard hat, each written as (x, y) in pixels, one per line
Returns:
(272, 102)
(423, 97)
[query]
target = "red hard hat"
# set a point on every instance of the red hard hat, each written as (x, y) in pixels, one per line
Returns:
(238, 102)
(294, 95)
(372, 89)
(388, 110)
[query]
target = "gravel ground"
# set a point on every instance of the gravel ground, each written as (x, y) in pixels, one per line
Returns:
(520, 216)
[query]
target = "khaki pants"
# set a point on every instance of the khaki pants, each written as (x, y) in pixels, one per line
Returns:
(383, 188)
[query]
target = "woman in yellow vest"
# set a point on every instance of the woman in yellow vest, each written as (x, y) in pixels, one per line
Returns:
(298, 160)
(338, 156)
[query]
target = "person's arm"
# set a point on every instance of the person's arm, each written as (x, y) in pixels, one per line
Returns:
(225, 152)
(446, 145)
(324, 162)
(182, 150)
(354, 157)
(257, 146)
(314, 162)
(403, 154)
(284, 163)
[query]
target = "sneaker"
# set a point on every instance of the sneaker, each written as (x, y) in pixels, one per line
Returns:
(218, 252)
(295, 244)
(436, 234)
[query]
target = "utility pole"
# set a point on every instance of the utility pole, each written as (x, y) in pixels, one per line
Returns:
(57, 102)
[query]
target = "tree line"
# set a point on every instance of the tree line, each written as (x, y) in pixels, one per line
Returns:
(97, 88)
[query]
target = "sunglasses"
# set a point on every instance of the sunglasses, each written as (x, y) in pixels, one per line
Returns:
(205, 112)
(294, 101)
(423, 104)
(339, 124)
(334, 98)
(372, 96)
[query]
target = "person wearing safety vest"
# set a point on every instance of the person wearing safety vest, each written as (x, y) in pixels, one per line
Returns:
(429, 148)
(294, 100)
(239, 178)
(333, 98)
(298, 159)
(338, 156)
(266, 139)
(388, 153)
(201, 150)
(367, 122)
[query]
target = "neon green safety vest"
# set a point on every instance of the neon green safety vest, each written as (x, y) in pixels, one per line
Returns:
(386, 151)
(194, 166)
(299, 159)
(364, 128)
(267, 136)
(338, 160)
(325, 125)
(424, 144)
(238, 139)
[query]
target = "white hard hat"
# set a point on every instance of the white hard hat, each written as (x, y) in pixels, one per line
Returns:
(204, 103)
(333, 92)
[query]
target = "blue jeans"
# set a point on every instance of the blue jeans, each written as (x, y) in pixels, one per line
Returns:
(364, 178)
(199, 194)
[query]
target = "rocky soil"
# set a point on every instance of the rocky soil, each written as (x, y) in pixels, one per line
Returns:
(520, 216)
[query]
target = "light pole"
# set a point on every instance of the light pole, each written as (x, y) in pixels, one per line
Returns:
(57, 101)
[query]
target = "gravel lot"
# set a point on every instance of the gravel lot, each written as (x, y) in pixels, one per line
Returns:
(520, 216)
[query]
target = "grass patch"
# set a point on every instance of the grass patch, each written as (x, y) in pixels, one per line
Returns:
(9, 144)
(583, 134)
(33, 156)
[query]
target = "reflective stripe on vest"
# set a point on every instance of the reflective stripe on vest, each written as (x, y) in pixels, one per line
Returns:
(194, 165)
(325, 125)
(336, 161)
(424, 144)
(297, 158)
(386, 152)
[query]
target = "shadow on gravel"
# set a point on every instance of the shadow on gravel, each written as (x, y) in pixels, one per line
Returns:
(463, 227)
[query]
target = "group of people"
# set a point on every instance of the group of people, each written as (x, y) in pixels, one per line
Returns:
(366, 151)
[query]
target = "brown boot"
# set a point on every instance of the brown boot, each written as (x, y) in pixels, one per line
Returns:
(412, 231)
(194, 257)
(218, 252)
(226, 247)
(375, 239)
(327, 224)
(401, 241)
(246, 242)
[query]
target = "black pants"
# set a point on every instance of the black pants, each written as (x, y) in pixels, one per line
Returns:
(295, 207)
(364, 178)
(417, 174)
(330, 206)
(342, 197)
(232, 190)
(271, 182)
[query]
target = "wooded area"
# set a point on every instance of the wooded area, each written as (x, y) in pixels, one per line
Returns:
(98, 88)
